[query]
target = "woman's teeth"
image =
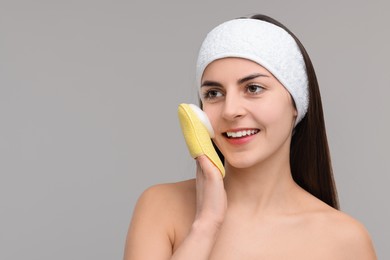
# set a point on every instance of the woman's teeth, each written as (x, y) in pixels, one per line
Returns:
(241, 133)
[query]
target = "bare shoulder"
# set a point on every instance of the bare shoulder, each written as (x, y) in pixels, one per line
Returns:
(348, 238)
(332, 233)
(354, 239)
(169, 192)
(159, 211)
(168, 208)
(168, 198)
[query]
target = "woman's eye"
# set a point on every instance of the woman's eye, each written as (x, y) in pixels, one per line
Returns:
(254, 89)
(211, 94)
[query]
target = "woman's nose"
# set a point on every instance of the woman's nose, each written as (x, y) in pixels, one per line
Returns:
(233, 107)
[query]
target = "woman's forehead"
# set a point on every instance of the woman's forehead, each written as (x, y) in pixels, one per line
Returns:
(234, 67)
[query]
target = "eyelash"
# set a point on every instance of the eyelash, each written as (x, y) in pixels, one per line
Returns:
(206, 95)
(257, 86)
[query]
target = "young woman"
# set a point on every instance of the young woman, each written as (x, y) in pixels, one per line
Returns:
(278, 199)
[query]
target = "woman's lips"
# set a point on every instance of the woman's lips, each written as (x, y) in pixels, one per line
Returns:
(241, 133)
(241, 136)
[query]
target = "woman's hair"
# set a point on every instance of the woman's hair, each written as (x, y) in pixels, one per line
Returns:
(310, 161)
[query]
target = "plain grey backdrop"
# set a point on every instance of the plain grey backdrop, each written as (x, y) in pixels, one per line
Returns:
(88, 99)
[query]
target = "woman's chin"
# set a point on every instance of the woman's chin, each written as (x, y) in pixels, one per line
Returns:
(240, 163)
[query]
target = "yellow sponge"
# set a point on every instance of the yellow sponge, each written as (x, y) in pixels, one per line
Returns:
(197, 132)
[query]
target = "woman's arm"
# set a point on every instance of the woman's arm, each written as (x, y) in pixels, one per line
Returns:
(151, 233)
(210, 213)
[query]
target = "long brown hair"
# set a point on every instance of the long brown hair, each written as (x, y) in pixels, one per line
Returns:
(310, 161)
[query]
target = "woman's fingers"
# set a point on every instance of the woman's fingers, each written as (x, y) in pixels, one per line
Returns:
(208, 169)
(211, 195)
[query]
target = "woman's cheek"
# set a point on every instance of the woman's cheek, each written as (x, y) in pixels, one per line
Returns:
(272, 112)
(211, 115)
(214, 124)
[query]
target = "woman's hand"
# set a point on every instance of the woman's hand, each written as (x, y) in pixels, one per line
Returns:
(151, 208)
(211, 202)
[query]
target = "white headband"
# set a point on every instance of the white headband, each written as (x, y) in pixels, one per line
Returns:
(264, 43)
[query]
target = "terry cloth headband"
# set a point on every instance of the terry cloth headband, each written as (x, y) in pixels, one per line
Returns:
(264, 43)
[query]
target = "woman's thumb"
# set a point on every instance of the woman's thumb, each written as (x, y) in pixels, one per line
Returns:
(208, 169)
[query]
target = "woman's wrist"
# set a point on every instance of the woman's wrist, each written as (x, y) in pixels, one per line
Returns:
(205, 228)
(199, 242)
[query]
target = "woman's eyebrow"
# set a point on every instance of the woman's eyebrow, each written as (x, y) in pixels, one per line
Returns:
(250, 77)
(209, 83)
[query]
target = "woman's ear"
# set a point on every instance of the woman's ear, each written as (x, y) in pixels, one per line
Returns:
(295, 112)
(294, 106)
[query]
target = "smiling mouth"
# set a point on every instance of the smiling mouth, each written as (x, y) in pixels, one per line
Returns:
(242, 133)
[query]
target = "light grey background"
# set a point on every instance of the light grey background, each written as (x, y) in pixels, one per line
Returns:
(88, 98)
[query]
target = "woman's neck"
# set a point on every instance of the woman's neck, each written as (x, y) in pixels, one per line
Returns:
(265, 187)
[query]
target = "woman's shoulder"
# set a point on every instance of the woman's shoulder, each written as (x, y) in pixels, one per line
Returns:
(347, 236)
(349, 229)
(168, 200)
(172, 191)
(158, 212)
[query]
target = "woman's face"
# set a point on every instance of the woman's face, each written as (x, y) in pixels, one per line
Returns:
(251, 112)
